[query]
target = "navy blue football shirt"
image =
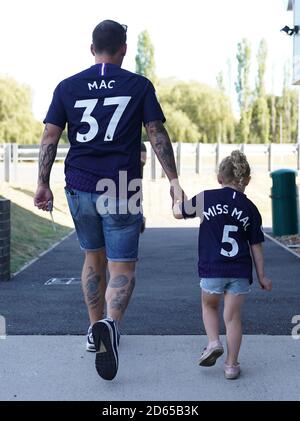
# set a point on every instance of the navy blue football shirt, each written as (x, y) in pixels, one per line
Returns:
(104, 108)
(230, 223)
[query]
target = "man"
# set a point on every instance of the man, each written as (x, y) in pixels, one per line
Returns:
(143, 163)
(104, 108)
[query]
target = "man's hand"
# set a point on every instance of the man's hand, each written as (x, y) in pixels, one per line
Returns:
(177, 210)
(42, 198)
(265, 284)
(176, 192)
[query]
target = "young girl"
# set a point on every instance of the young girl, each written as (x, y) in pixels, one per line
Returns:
(230, 231)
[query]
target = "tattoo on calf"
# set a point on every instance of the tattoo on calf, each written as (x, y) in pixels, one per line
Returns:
(121, 300)
(92, 288)
(119, 281)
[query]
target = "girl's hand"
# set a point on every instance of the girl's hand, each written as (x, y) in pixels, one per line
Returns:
(266, 284)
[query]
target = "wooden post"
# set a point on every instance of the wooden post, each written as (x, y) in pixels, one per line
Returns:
(7, 160)
(218, 146)
(198, 158)
(15, 147)
(270, 157)
(4, 240)
(153, 165)
(178, 158)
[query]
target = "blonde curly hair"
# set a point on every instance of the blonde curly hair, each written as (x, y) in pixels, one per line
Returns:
(235, 168)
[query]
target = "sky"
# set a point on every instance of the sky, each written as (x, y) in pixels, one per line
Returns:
(45, 41)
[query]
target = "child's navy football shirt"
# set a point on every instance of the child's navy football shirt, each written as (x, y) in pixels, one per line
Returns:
(104, 107)
(230, 223)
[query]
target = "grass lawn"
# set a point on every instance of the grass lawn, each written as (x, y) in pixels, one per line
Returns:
(31, 235)
(31, 229)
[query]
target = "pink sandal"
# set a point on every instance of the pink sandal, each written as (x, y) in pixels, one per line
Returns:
(232, 372)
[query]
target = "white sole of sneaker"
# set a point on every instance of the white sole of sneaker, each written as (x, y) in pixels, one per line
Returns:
(106, 361)
(210, 359)
(88, 349)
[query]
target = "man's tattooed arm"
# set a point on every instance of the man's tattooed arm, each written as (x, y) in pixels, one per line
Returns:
(47, 153)
(160, 141)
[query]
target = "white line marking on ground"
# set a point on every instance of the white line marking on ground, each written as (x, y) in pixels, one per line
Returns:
(42, 254)
(282, 245)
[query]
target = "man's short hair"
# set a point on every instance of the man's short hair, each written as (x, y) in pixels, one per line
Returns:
(109, 36)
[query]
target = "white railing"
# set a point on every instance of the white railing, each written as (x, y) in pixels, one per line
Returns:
(31, 153)
(196, 158)
(190, 157)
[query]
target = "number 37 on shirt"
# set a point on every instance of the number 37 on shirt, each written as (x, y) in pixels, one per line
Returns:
(89, 105)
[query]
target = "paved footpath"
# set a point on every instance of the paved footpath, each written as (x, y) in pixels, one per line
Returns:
(43, 356)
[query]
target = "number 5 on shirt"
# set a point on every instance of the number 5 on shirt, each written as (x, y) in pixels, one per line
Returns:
(89, 105)
(227, 239)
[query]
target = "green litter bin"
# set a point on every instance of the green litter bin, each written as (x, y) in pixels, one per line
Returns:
(284, 203)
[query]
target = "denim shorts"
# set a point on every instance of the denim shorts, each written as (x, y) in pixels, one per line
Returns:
(235, 286)
(117, 233)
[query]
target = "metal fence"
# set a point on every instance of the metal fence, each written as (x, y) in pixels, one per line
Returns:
(197, 158)
(191, 158)
(11, 155)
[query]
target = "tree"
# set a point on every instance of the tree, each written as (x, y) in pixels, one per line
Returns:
(17, 123)
(179, 126)
(260, 116)
(145, 63)
(260, 121)
(271, 101)
(288, 108)
(262, 66)
(205, 113)
(220, 82)
(243, 89)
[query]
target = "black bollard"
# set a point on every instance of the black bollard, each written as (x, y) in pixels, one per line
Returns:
(4, 240)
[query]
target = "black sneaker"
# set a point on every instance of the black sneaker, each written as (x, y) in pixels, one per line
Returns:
(106, 338)
(90, 346)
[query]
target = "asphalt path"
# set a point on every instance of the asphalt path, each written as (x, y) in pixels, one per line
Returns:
(166, 297)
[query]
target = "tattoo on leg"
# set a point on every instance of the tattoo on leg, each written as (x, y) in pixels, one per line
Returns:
(119, 281)
(121, 300)
(92, 289)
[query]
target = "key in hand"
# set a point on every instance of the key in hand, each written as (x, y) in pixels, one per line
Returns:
(50, 209)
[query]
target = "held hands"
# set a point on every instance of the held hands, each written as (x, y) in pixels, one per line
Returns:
(178, 196)
(176, 192)
(265, 284)
(43, 198)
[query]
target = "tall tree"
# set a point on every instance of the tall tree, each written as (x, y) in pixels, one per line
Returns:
(197, 112)
(17, 123)
(260, 119)
(243, 89)
(262, 67)
(221, 82)
(144, 59)
(271, 100)
(287, 104)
